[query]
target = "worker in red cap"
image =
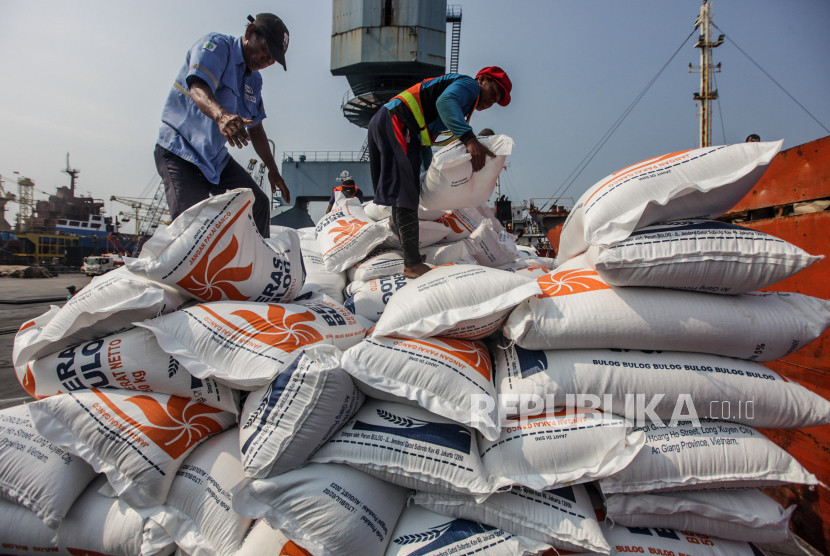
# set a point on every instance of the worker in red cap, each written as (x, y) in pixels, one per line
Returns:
(403, 131)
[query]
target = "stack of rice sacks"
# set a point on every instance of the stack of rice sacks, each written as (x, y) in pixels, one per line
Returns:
(291, 402)
(652, 315)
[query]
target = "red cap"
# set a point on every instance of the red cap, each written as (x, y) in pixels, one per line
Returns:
(497, 74)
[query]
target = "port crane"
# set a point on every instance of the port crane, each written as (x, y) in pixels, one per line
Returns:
(147, 215)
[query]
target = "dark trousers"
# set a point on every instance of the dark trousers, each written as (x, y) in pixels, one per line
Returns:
(185, 185)
(394, 160)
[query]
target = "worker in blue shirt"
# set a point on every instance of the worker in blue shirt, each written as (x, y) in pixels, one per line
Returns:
(217, 99)
(401, 135)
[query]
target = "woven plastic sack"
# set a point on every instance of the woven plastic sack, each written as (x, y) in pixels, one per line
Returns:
(380, 263)
(698, 183)
(409, 447)
(461, 223)
(716, 454)
(421, 531)
(554, 450)
(713, 386)
(283, 424)
(108, 304)
(246, 345)
(563, 518)
(491, 247)
(448, 253)
(450, 378)
(369, 299)
(138, 440)
(450, 182)
(131, 360)
(318, 278)
(429, 233)
(197, 513)
(699, 255)
(652, 540)
(37, 474)
(330, 510)
(578, 310)
(213, 252)
(262, 540)
(346, 234)
(460, 301)
(740, 515)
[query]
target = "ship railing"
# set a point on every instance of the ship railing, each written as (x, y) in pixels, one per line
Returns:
(551, 204)
(321, 156)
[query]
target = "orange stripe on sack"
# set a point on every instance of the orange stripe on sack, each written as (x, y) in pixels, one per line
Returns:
(472, 353)
(633, 167)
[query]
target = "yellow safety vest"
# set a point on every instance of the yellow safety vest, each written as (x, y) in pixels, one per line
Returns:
(412, 98)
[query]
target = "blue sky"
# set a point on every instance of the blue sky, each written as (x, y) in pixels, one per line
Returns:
(90, 77)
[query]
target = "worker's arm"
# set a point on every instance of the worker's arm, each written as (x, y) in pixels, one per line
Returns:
(232, 126)
(453, 104)
(263, 150)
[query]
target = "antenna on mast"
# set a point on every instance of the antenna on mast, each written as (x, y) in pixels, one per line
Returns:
(706, 70)
(73, 174)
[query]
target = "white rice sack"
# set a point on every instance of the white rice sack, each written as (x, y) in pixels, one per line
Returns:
(461, 223)
(653, 540)
(284, 423)
(330, 510)
(410, 447)
(99, 524)
(377, 212)
(108, 304)
(130, 360)
(450, 182)
(244, 344)
(555, 450)
(563, 518)
(461, 301)
(420, 531)
(531, 268)
(672, 383)
(429, 233)
(318, 278)
(698, 183)
(262, 540)
(492, 248)
(699, 255)
(450, 378)
(740, 515)
(346, 234)
(381, 262)
(715, 454)
(369, 299)
(197, 513)
(450, 253)
(138, 440)
(578, 310)
(37, 474)
(22, 533)
(214, 252)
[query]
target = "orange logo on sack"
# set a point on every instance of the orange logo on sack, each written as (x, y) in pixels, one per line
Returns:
(29, 324)
(570, 282)
(28, 382)
(452, 222)
(291, 549)
(472, 353)
(275, 329)
(212, 280)
(346, 229)
(176, 427)
(209, 279)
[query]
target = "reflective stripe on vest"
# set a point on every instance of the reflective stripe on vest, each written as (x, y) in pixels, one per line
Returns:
(412, 98)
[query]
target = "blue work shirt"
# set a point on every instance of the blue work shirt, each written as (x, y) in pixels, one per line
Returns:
(188, 133)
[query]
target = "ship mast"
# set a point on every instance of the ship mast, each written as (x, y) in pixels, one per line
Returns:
(706, 94)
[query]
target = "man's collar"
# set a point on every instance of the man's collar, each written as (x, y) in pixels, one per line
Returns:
(236, 55)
